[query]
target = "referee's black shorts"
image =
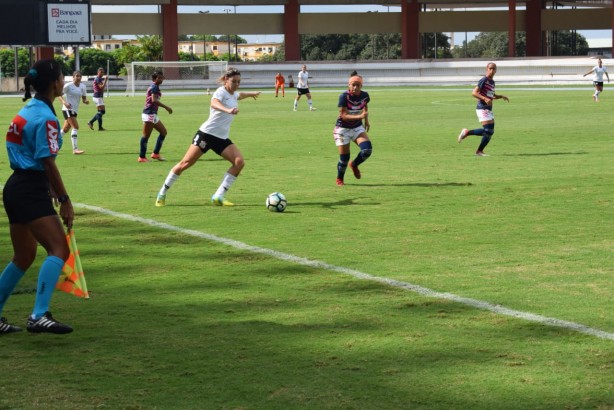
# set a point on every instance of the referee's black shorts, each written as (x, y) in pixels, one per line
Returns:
(26, 197)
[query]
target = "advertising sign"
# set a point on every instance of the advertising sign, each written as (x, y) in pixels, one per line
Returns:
(68, 23)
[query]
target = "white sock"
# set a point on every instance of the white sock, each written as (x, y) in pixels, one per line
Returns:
(168, 182)
(310, 103)
(227, 182)
(73, 136)
(295, 104)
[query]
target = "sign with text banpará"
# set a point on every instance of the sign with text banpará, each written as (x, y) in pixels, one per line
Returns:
(68, 23)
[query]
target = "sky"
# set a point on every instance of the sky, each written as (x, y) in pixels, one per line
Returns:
(458, 37)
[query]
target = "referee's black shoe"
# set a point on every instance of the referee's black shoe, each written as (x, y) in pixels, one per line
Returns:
(48, 324)
(7, 328)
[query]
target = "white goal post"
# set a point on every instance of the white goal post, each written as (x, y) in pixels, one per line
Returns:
(178, 75)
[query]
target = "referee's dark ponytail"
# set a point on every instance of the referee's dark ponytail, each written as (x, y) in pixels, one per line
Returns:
(42, 74)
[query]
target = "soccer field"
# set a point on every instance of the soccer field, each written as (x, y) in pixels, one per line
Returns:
(440, 280)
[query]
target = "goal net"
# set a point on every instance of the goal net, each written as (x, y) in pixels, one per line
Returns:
(178, 75)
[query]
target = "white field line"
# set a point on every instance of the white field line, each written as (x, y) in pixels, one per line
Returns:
(478, 304)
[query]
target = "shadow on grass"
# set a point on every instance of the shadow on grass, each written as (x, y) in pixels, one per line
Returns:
(543, 154)
(333, 204)
(419, 184)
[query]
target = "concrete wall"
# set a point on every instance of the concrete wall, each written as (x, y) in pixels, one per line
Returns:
(537, 71)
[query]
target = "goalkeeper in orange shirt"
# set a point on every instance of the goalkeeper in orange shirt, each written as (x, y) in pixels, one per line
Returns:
(280, 83)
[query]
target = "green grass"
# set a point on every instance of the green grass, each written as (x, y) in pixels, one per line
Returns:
(176, 321)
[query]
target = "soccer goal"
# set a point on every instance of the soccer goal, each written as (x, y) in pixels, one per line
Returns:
(178, 75)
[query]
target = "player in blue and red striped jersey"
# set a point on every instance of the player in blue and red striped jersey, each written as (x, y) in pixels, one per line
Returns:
(99, 86)
(32, 143)
(484, 92)
(151, 120)
(353, 108)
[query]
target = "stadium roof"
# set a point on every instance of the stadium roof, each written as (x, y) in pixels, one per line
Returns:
(445, 4)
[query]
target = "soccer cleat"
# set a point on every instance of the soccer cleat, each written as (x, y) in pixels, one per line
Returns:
(142, 159)
(77, 151)
(355, 170)
(480, 154)
(6, 328)
(160, 200)
(220, 201)
(462, 135)
(101, 129)
(48, 324)
(340, 182)
(294, 108)
(89, 124)
(312, 109)
(157, 157)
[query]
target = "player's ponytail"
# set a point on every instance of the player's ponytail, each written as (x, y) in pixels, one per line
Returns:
(40, 77)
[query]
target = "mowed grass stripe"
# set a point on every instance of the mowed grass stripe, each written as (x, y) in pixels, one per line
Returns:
(479, 304)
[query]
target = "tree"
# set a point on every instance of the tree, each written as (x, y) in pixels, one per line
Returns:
(436, 45)
(495, 44)
(7, 62)
(569, 43)
(93, 58)
(125, 55)
(351, 47)
(151, 48)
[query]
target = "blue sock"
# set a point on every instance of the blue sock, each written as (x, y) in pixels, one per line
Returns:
(489, 130)
(485, 140)
(94, 118)
(342, 165)
(47, 278)
(8, 280)
(159, 143)
(365, 152)
(100, 114)
(143, 153)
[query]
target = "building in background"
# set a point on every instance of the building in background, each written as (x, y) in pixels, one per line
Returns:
(245, 51)
(601, 47)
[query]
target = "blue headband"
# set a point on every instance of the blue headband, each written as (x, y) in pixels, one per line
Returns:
(33, 73)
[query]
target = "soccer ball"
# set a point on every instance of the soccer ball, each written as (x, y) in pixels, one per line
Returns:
(276, 202)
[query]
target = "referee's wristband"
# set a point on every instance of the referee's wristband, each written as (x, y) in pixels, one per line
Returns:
(63, 198)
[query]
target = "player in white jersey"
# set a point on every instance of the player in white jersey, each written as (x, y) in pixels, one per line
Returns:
(303, 88)
(598, 71)
(74, 93)
(214, 135)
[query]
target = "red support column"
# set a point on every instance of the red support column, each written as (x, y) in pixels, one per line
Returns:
(511, 22)
(410, 30)
(170, 32)
(44, 53)
(534, 28)
(292, 41)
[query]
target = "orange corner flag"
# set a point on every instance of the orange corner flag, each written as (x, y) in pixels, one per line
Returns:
(72, 279)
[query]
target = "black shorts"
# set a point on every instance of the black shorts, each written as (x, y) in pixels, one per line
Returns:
(208, 142)
(68, 114)
(598, 83)
(26, 197)
(302, 91)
